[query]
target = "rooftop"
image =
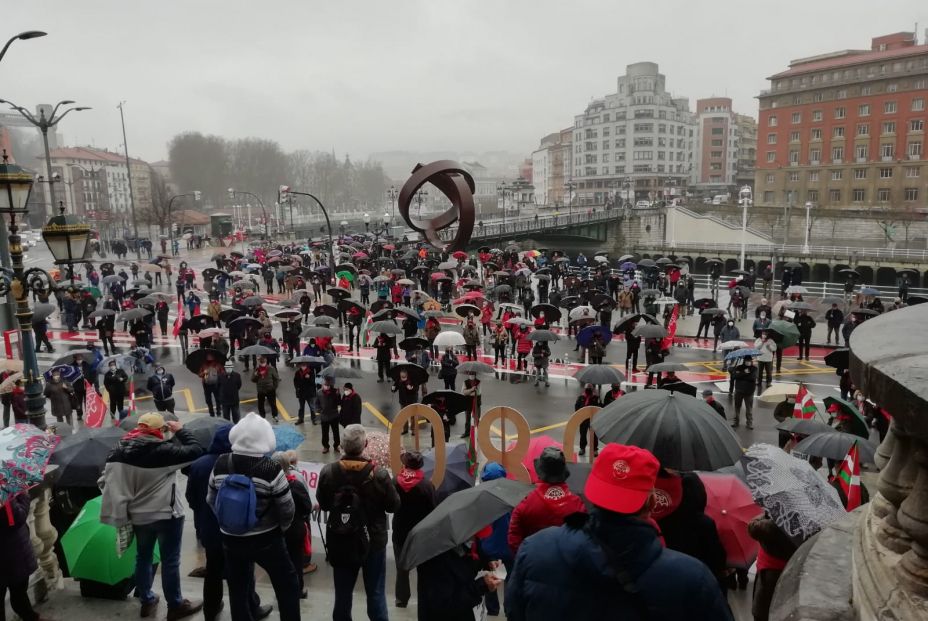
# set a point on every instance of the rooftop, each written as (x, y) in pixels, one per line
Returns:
(189, 216)
(900, 45)
(89, 153)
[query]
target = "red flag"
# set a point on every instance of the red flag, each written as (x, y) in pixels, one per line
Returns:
(131, 397)
(180, 318)
(849, 478)
(94, 408)
(805, 407)
(667, 343)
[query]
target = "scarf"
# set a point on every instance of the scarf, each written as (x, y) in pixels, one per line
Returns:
(262, 371)
(408, 478)
(143, 431)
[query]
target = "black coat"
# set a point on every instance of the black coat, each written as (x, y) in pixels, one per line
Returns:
(351, 410)
(415, 504)
(745, 378)
(115, 383)
(448, 588)
(304, 384)
(17, 558)
(329, 401)
(230, 383)
(689, 530)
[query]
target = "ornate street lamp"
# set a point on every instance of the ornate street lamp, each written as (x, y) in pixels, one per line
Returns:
(67, 237)
(15, 188)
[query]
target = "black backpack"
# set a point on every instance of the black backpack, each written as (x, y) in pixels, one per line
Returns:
(347, 537)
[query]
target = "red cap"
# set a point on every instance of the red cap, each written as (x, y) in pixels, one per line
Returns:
(622, 478)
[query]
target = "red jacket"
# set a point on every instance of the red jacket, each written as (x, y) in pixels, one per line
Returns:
(524, 345)
(547, 505)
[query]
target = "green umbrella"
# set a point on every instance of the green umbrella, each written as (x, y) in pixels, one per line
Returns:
(94, 291)
(785, 334)
(90, 548)
(857, 425)
(346, 275)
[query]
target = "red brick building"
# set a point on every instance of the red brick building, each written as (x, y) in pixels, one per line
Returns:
(847, 129)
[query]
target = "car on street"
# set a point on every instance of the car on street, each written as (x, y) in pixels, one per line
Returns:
(643, 205)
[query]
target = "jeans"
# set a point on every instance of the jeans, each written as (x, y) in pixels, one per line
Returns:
(211, 394)
(269, 552)
(374, 572)
(19, 601)
(231, 411)
(271, 399)
(167, 533)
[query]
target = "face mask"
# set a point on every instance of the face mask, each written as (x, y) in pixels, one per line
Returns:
(112, 367)
(763, 315)
(56, 377)
(731, 323)
(348, 393)
(161, 372)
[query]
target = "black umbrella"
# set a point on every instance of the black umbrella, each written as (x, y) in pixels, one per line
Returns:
(256, 350)
(341, 372)
(253, 300)
(459, 517)
(839, 359)
(133, 314)
(416, 374)
(385, 327)
(625, 321)
(463, 310)
(792, 265)
(850, 272)
(864, 312)
(204, 428)
(684, 433)
(41, 312)
(338, 293)
(322, 321)
(454, 401)
(741, 272)
(650, 331)
(602, 302)
(103, 312)
(200, 322)
(387, 313)
(804, 426)
(599, 374)
(834, 445)
(712, 311)
(379, 305)
(80, 457)
(666, 367)
(241, 324)
(326, 309)
(199, 357)
(475, 367)
(552, 313)
(543, 336)
(705, 302)
(346, 305)
(413, 342)
(457, 470)
(405, 310)
(714, 260)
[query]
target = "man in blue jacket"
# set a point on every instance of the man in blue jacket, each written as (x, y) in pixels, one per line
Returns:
(612, 561)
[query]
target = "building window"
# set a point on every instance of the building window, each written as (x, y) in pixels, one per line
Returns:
(858, 195)
(882, 195)
(794, 157)
(794, 175)
(816, 134)
(842, 94)
(888, 150)
(771, 138)
(862, 151)
(834, 196)
(837, 154)
(796, 117)
(863, 129)
(889, 127)
(915, 149)
(892, 88)
(717, 143)
(886, 173)
(837, 132)
(794, 136)
(718, 131)
(911, 194)
(771, 156)
(813, 176)
(860, 173)
(840, 113)
(917, 125)
(812, 196)
(889, 107)
(865, 90)
(770, 177)
(772, 121)
(816, 115)
(715, 154)
(918, 104)
(912, 172)
(837, 175)
(863, 110)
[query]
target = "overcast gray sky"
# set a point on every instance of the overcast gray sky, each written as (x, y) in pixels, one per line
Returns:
(363, 76)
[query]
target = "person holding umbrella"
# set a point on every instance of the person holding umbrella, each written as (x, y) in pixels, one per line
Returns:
(449, 368)
(161, 386)
(471, 338)
(140, 490)
(384, 347)
(417, 499)
(83, 368)
(587, 397)
(744, 377)
(266, 381)
(407, 391)
(541, 353)
(116, 382)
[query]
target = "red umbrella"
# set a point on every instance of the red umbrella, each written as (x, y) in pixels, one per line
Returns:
(469, 297)
(459, 255)
(389, 247)
(731, 506)
(359, 255)
(535, 446)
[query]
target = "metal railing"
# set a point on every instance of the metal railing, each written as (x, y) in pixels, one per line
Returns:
(533, 224)
(791, 250)
(815, 290)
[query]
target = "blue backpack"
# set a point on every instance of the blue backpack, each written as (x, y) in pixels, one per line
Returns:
(236, 503)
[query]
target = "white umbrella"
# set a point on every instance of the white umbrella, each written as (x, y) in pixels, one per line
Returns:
(581, 312)
(449, 339)
(732, 345)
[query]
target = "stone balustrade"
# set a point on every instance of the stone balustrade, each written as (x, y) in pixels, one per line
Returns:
(44, 535)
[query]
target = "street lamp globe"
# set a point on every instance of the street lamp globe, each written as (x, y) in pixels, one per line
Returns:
(745, 193)
(67, 237)
(15, 187)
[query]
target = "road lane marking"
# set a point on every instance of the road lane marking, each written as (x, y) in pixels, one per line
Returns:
(376, 414)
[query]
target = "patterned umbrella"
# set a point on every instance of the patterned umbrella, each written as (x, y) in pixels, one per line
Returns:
(378, 448)
(288, 438)
(798, 498)
(24, 453)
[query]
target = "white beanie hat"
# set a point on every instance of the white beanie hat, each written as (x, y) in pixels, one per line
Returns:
(252, 436)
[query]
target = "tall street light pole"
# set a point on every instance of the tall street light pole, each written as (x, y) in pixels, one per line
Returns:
(393, 193)
(44, 124)
(328, 225)
(29, 34)
(745, 199)
(805, 245)
(233, 192)
(125, 144)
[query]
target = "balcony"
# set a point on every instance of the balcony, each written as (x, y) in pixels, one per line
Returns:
(913, 157)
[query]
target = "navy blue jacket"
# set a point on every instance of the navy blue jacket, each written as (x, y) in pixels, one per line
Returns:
(204, 520)
(562, 573)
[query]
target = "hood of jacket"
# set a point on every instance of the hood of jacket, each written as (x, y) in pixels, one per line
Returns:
(221, 443)
(493, 470)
